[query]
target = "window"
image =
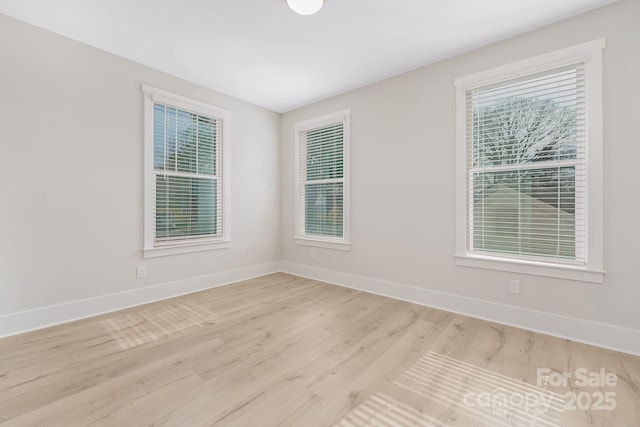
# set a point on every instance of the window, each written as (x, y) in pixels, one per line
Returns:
(530, 166)
(322, 181)
(186, 184)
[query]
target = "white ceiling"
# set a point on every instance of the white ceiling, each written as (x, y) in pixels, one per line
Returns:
(262, 52)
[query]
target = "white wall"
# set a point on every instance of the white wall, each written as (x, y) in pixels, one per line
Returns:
(403, 181)
(71, 187)
(71, 191)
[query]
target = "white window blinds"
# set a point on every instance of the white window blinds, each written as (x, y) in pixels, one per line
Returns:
(321, 182)
(187, 173)
(526, 167)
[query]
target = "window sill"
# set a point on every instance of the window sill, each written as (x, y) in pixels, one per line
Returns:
(305, 241)
(184, 249)
(558, 271)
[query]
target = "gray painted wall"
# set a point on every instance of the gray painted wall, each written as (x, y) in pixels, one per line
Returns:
(71, 131)
(403, 177)
(71, 173)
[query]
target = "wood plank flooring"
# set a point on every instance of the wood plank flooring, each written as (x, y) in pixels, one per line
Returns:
(286, 351)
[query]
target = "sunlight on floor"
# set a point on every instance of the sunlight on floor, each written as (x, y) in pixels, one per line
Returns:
(148, 325)
(489, 398)
(383, 410)
(459, 393)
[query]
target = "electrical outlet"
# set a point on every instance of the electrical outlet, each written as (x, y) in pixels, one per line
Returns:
(514, 286)
(141, 272)
(312, 253)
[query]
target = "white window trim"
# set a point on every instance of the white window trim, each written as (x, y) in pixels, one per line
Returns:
(152, 95)
(593, 270)
(344, 117)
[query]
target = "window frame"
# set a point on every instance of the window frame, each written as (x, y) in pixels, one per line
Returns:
(593, 270)
(300, 238)
(151, 249)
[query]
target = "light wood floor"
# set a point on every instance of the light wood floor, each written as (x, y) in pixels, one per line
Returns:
(282, 350)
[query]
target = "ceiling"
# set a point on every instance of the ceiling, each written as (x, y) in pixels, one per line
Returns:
(262, 52)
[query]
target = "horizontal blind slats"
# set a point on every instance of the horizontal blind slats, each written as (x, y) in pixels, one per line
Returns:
(526, 166)
(187, 193)
(321, 182)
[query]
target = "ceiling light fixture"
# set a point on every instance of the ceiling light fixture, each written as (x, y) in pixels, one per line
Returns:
(305, 7)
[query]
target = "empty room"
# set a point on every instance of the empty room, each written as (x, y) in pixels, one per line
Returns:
(320, 213)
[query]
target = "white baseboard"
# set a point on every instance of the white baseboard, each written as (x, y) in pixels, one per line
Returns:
(24, 321)
(584, 331)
